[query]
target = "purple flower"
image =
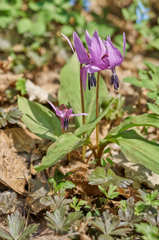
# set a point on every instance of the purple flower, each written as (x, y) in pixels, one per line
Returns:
(101, 55)
(115, 58)
(94, 61)
(64, 114)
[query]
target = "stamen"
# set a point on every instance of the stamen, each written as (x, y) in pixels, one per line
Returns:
(91, 80)
(66, 121)
(115, 80)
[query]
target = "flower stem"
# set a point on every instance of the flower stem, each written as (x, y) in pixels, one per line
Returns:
(82, 97)
(97, 111)
(83, 110)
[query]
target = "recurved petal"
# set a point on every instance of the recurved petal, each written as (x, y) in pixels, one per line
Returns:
(98, 49)
(57, 111)
(68, 40)
(114, 55)
(124, 43)
(88, 39)
(80, 49)
(91, 68)
(78, 114)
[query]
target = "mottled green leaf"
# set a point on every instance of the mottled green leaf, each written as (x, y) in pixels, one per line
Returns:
(39, 119)
(65, 144)
(139, 150)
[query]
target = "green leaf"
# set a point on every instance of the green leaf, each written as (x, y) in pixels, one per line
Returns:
(70, 76)
(150, 232)
(32, 228)
(67, 30)
(16, 224)
(24, 25)
(38, 28)
(65, 185)
(141, 120)
(5, 235)
(39, 119)
(139, 150)
(64, 144)
(21, 85)
(153, 107)
(154, 43)
(134, 81)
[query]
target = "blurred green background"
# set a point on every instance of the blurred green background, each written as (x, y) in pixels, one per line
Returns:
(30, 30)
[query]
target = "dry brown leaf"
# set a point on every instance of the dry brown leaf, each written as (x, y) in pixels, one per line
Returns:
(13, 166)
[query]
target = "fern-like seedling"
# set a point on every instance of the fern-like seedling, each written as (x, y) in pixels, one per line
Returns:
(12, 117)
(17, 229)
(149, 232)
(127, 212)
(61, 221)
(110, 226)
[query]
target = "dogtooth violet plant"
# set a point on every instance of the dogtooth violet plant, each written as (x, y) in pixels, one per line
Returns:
(53, 125)
(101, 55)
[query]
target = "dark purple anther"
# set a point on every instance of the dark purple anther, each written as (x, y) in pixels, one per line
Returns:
(91, 80)
(66, 122)
(115, 80)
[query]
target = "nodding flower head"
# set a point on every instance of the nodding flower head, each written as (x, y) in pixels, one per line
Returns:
(101, 55)
(64, 114)
(115, 58)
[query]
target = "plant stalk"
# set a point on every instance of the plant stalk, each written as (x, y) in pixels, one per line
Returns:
(97, 111)
(82, 97)
(83, 110)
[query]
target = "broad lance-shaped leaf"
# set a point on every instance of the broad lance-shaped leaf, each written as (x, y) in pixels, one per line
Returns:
(134, 121)
(139, 150)
(64, 144)
(70, 76)
(39, 119)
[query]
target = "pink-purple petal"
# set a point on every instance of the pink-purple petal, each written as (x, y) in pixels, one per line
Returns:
(98, 49)
(69, 112)
(124, 43)
(78, 114)
(88, 39)
(114, 55)
(52, 105)
(80, 49)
